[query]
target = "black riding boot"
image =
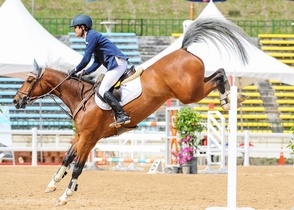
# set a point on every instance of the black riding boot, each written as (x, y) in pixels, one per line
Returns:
(120, 115)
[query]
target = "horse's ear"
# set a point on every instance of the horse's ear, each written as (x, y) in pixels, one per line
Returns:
(36, 66)
(38, 71)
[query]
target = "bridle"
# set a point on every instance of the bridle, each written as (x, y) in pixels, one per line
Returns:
(27, 99)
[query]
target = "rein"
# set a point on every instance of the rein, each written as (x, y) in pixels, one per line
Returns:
(79, 107)
(81, 104)
(52, 96)
(49, 93)
(65, 111)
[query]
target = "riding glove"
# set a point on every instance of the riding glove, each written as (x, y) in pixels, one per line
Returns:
(84, 73)
(72, 72)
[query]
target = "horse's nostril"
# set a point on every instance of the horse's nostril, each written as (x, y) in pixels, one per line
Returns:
(16, 104)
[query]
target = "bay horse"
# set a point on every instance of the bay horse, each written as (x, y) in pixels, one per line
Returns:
(179, 75)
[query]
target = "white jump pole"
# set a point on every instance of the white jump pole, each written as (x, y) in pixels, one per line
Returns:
(34, 147)
(232, 157)
(232, 152)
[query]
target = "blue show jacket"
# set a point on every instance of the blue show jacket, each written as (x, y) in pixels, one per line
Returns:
(104, 52)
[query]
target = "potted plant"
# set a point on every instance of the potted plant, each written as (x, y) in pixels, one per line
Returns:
(189, 125)
(291, 144)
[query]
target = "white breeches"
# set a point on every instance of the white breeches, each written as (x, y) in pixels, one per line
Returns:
(112, 76)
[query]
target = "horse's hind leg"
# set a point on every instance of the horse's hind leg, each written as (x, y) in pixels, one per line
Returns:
(223, 86)
(224, 89)
(61, 172)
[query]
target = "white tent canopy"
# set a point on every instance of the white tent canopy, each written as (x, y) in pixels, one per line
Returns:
(260, 67)
(25, 40)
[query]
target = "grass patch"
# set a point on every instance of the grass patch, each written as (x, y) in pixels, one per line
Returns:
(170, 9)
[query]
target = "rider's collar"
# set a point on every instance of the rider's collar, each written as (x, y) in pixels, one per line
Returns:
(85, 36)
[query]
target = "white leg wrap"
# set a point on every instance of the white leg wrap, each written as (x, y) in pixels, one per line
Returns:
(60, 174)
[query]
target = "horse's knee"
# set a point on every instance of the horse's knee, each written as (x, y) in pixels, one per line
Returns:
(68, 159)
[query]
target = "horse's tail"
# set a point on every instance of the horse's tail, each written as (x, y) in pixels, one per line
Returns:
(225, 32)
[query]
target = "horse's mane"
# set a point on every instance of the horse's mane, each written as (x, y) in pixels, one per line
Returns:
(59, 63)
(223, 31)
(75, 77)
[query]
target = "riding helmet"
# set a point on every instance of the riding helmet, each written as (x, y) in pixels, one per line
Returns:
(81, 20)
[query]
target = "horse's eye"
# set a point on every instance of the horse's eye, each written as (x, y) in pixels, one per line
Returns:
(29, 81)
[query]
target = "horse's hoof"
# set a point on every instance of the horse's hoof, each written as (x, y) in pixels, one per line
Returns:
(242, 98)
(61, 202)
(50, 189)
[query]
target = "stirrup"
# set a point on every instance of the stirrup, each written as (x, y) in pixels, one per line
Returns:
(119, 124)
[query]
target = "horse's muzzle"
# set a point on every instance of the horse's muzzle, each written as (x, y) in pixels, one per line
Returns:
(20, 104)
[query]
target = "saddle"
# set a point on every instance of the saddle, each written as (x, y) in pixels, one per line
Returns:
(128, 75)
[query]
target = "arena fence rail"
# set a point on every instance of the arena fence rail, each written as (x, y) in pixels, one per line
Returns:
(245, 149)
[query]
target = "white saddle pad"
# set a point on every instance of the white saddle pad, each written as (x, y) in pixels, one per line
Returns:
(130, 91)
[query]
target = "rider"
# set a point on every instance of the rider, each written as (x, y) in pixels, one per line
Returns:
(105, 53)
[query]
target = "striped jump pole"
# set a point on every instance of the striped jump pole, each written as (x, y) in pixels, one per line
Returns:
(119, 167)
(129, 143)
(124, 160)
(151, 124)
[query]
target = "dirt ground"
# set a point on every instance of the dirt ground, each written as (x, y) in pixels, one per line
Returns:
(265, 187)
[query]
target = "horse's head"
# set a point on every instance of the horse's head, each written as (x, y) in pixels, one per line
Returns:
(29, 90)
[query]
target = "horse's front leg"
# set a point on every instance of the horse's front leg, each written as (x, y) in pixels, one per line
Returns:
(61, 172)
(83, 150)
(73, 184)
